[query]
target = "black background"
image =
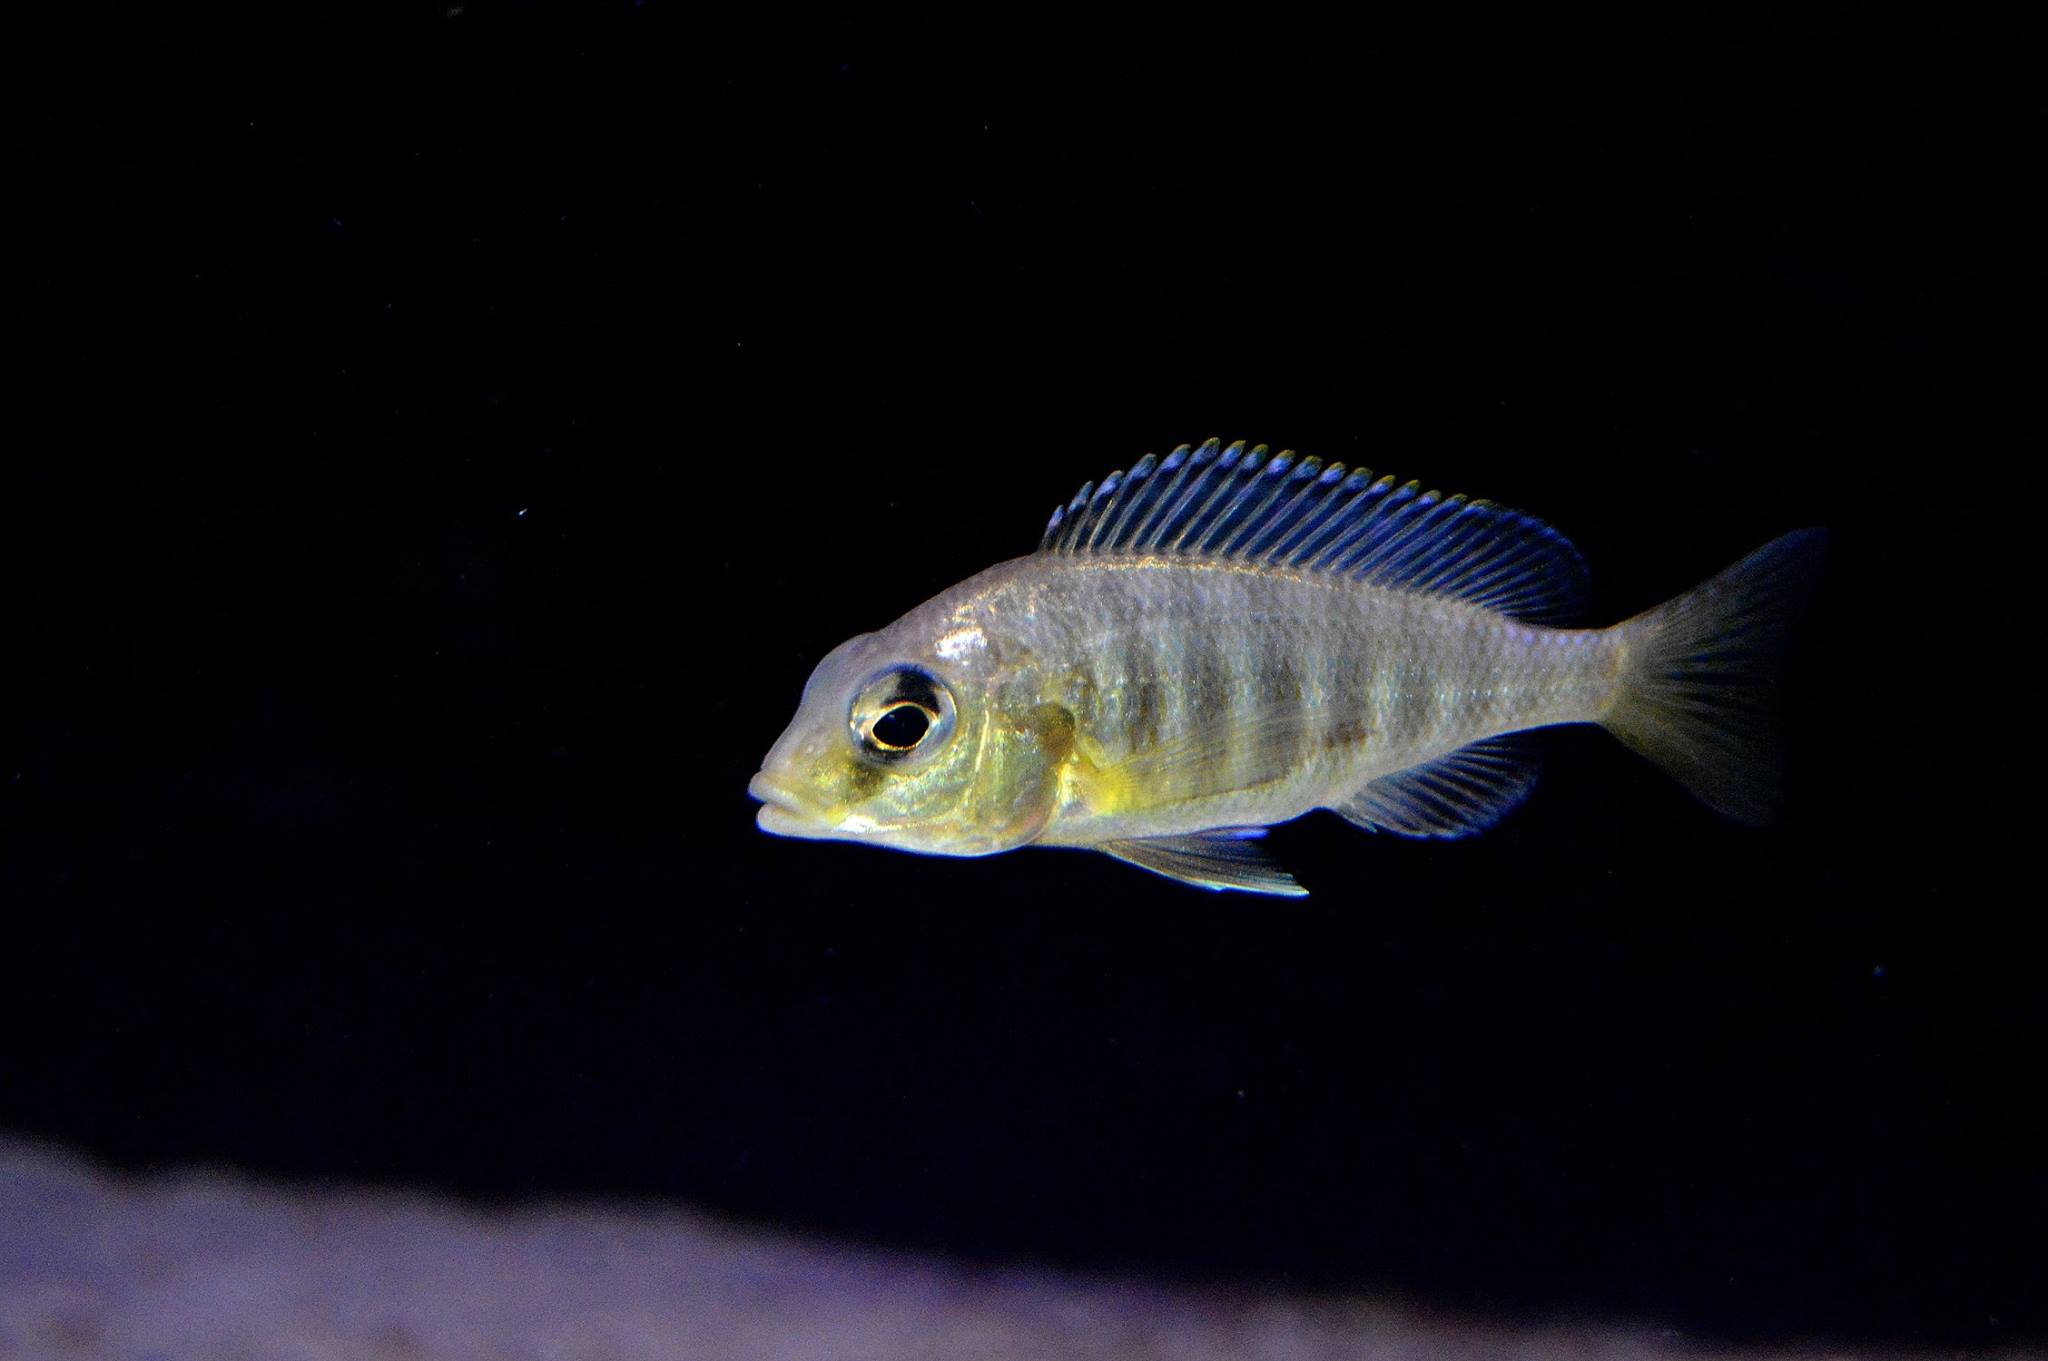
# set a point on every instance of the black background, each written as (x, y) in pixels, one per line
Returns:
(441, 443)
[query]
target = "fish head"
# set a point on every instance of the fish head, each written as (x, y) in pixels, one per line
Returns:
(902, 739)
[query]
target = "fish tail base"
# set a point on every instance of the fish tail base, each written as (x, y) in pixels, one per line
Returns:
(1698, 690)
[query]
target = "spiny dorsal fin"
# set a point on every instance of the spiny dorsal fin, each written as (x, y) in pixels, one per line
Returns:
(1244, 505)
(1457, 794)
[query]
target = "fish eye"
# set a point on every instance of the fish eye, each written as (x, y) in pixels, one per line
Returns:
(901, 726)
(900, 712)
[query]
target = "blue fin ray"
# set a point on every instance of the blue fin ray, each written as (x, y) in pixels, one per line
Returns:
(1244, 505)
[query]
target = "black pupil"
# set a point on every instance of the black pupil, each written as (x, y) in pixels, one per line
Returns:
(903, 726)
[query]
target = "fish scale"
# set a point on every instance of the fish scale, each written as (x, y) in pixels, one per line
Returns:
(1396, 679)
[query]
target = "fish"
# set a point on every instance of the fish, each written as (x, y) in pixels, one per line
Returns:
(1225, 639)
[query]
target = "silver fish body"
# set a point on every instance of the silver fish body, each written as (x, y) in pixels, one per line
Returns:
(1222, 641)
(1334, 684)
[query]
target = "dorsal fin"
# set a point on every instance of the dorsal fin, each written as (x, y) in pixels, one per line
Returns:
(1243, 505)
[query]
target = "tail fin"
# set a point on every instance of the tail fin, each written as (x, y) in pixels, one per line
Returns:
(1698, 688)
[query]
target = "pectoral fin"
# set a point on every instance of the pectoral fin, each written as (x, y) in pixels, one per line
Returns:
(1226, 858)
(1216, 758)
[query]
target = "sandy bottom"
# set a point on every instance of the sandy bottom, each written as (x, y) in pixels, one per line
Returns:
(206, 1265)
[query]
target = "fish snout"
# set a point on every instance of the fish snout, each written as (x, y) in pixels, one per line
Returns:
(784, 810)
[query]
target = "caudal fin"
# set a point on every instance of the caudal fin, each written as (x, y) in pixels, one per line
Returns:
(1698, 692)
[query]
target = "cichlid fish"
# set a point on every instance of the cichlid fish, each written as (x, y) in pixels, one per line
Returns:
(1219, 640)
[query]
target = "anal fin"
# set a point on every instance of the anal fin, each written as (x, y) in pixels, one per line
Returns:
(1457, 794)
(1227, 858)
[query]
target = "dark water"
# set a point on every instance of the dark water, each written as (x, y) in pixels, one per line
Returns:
(445, 442)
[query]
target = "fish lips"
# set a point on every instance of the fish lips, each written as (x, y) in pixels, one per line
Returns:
(783, 812)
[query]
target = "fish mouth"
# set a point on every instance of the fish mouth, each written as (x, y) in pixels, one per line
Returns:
(782, 809)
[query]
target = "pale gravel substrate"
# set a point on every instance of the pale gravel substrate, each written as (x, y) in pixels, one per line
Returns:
(205, 1265)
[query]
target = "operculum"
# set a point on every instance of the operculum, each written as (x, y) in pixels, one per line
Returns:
(1024, 753)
